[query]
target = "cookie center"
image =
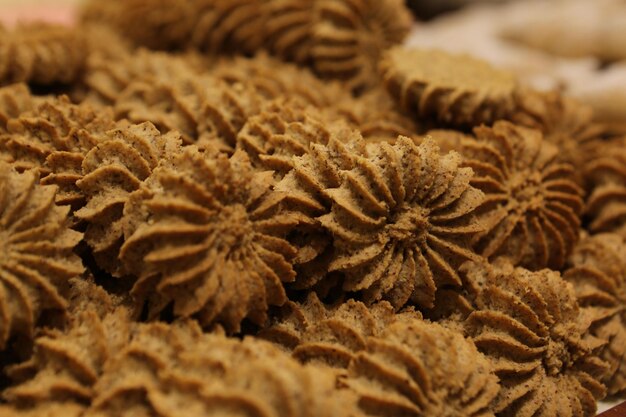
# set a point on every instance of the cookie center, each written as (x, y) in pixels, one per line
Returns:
(409, 225)
(526, 188)
(233, 228)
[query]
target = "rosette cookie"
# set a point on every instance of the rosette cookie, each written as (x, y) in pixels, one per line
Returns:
(330, 335)
(53, 138)
(283, 129)
(533, 204)
(197, 236)
(530, 327)
(350, 37)
(563, 121)
(41, 54)
(606, 176)
(398, 364)
(66, 363)
(597, 270)
(202, 108)
(165, 366)
(418, 368)
(402, 220)
(449, 89)
(111, 171)
(15, 99)
(273, 79)
(36, 253)
(164, 24)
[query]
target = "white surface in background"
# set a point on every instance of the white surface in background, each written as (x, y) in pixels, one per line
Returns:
(478, 31)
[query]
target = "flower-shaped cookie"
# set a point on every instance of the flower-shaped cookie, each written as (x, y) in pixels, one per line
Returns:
(606, 176)
(564, 122)
(165, 367)
(533, 204)
(398, 364)
(41, 54)
(283, 129)
(350, 36)
(597, 270)
(53, 138)
(197, 235)
(66, 363)
(450, 89)
(36, 253)
(160, 24)
(531, 329)
(402, 219)
(110, 172)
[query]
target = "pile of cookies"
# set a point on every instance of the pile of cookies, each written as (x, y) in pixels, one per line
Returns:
(279, 211)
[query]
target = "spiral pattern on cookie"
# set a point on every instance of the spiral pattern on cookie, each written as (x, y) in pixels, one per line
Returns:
(197, 235)
(418, 368)
(330, 335)
(41, 54)
(350, 37)
(53, 138)
(284, 129)
(15, 99)
(228, 25)
(564, 122)
(166, 365)
(597, 270)
(606, 176)
(36, 252)
(533, 203)
(449, 89)
(165, 24)
(530, 327)
(110, 172)
(402, 219)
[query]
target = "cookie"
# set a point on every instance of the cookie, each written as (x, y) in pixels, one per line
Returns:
(597, 271)
(402, 219)
(197, 236)
(533, 203)
(449, 89)
(350, 37)
(36, 248)
(530, 327)
(110, 172)
(42, 54)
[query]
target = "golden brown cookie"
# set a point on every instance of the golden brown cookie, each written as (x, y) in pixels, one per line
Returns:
(398, 364)
(197, 236)
(273, 79)
(606, 177)
(289, 28)
(530, 327)
(450, 89)
(402, 220)
(533, 204)
(111, 171)
(330, 335)
(564, 122)
(350, 36)
(283, 129)
(36, 253)
(419, 368)
(15, 99)
(166, 367)
(162, 24)
(40, 53)
(53, 137)
(597, 270)
(228, 25)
